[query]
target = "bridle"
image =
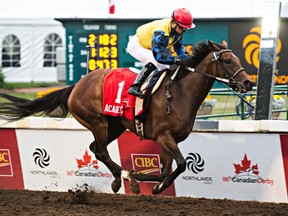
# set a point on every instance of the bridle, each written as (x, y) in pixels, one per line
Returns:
(216, 58)
(229, 79)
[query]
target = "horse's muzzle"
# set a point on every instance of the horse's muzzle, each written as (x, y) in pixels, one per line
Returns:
(248, 85)
(241, 87)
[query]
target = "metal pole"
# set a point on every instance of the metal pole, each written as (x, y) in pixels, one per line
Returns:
(242, 110)
(268, 47)
(287, 102)
(87, 59)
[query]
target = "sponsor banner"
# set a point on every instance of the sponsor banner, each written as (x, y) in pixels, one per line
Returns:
(10, 166)
(61, 160)
(245, 38)
(234, 166)
(141, 156)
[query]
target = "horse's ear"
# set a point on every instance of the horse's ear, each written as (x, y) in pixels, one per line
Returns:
(224, 43)
(213, 46)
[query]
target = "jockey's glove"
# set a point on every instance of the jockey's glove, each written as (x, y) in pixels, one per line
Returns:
(177, 61)
(180, 62)
(183, 62)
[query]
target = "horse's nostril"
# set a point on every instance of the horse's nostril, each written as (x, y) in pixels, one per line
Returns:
(248, 84)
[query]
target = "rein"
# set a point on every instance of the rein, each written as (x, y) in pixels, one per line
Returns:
(209, 75)
(216, 58)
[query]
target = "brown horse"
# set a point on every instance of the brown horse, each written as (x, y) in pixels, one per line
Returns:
(188, 90)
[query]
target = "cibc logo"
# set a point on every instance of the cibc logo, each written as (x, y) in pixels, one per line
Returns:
(41, 158)
(146, 163)
(5, 163)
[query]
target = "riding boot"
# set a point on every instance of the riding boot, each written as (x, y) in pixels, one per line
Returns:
(144, 73)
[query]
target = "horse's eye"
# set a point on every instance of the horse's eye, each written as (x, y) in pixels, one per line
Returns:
(227, 61)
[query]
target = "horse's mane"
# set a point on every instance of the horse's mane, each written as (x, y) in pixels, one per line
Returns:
(200, 51)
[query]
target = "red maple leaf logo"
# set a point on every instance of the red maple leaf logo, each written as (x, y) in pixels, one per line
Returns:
(86, 162)
(245, 167)
(255, 169)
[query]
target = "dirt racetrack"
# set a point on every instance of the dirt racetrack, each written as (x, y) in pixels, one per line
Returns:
(22, 202)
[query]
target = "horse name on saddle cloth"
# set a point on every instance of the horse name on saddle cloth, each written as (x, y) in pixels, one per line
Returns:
(116, 100)
(113, 109)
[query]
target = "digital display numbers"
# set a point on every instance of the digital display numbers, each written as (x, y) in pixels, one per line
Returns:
(103, 51)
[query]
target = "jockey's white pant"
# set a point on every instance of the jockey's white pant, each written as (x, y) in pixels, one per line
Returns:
(142, 54)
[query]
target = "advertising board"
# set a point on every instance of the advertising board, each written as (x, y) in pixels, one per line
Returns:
(234, 166)
(61, 160)
(10, 166)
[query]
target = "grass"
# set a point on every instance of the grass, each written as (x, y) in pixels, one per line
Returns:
(11, 86)
(30, 96)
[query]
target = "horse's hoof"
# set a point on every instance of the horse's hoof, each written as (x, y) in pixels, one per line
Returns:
(138, 176)
(157, 189)
(134, 186)
(116, 185)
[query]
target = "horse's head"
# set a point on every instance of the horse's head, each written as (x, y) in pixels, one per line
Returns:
(228, 66)
(216, 61)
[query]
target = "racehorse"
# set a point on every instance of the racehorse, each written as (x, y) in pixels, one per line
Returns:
(209, 62)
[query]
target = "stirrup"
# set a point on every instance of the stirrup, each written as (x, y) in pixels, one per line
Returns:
(135, 93)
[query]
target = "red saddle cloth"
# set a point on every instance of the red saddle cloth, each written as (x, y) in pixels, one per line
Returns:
(116, 100)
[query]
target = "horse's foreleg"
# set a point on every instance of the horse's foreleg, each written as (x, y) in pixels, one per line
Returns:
(166, 163)
(170, 147)
(134, 186)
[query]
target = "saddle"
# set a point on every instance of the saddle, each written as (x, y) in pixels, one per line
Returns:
(148, 88)
(142, 106)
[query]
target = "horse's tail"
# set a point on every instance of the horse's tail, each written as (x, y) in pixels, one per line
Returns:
(17, 108)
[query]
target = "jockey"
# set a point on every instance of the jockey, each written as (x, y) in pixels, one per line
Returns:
(157, 36)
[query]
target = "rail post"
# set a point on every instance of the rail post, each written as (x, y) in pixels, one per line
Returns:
(268, 46)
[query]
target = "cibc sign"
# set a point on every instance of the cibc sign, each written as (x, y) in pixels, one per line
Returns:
(146, 163)
(5, 163)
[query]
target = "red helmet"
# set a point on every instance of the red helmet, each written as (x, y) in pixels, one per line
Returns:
(183, 17)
